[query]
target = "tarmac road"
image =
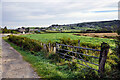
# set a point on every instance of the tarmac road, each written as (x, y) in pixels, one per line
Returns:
(13, 65)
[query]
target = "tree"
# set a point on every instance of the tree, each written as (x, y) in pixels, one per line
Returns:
(23, 27)
(61, 30)
(27, 30)
(37, 28)
(117, 49)
(5, 27)
(118, 31)
(118, 28)
(5, 30)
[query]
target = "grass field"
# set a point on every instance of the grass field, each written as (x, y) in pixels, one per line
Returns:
(48, 68)
(45, 68)
(101, 35)
(53, 37)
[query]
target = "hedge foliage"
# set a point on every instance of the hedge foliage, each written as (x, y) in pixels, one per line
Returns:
(82, 44)
(26, 43)
(34, 45)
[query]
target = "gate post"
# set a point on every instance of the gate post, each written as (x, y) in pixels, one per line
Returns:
(103, 56)
(54, 49)
(44, 47)
(49, 48)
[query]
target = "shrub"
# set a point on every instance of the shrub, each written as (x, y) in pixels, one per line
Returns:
(75, 43)
(25, 43)
(96, 36)
(14, 32)
(117, 51)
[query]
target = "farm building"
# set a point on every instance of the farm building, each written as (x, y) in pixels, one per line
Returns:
(22, 30)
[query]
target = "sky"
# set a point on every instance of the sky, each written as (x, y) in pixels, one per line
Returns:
(43, 13)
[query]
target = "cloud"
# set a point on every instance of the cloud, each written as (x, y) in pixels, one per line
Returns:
(41, 17)
(40, 12)
(106, 11)
(59, 1)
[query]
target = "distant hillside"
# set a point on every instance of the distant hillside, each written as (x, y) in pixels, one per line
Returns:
(101, 25)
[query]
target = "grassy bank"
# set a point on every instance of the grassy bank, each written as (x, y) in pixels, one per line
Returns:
(47, 68)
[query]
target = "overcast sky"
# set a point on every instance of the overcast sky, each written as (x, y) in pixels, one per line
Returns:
(17, 13)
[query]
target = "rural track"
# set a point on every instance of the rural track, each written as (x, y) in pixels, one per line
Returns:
(13, 65)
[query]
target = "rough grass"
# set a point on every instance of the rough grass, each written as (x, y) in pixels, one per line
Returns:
(47, 69)
(55, 37)
(100, 35)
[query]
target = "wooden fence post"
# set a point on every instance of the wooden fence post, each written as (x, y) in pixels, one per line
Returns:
(54, 49)
(103, 56)
(49, 48)
(44, 46)
(57, 46)
(41, 44)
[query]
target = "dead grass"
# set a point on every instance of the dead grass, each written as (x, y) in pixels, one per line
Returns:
(102, 35)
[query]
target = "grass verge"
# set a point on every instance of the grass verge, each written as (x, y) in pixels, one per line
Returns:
(47, 69)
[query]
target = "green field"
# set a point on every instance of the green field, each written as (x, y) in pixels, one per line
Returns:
(53, 37)
(49, 65)
(47, 68)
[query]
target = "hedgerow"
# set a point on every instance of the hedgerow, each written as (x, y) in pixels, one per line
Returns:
(35, 46)
(82, 44)
(26, 43)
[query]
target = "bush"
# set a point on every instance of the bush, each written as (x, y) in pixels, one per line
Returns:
(25, 43)
(117, 49)
(82, 44)
(14, 32)
(117, 53)
(96, 36)
(75, 43)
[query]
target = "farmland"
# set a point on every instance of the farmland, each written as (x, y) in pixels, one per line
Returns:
(53, 37)
(26, 44)
(48, 69)
(101, 35)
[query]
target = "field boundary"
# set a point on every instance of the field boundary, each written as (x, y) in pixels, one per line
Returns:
(102, 58)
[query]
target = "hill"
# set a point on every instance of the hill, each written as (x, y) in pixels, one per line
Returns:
(93, 26)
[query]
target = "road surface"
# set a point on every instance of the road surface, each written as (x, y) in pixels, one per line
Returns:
(13, 65)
